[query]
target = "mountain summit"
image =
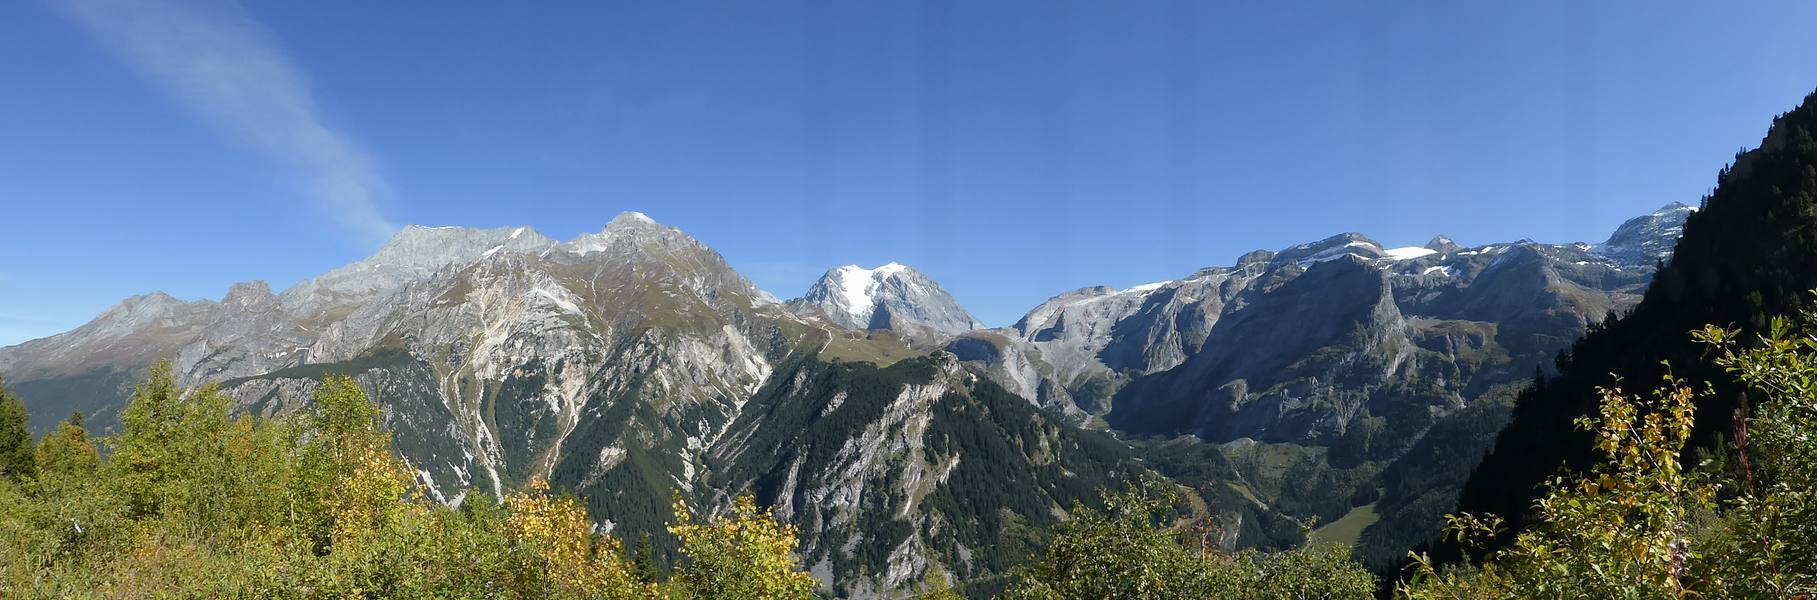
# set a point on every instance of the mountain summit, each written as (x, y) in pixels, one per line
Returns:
(413, 253)
(1647, 238)
(892, 297)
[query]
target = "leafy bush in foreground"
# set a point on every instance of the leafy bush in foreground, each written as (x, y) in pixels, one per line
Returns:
(192, 503)
(1742, 525)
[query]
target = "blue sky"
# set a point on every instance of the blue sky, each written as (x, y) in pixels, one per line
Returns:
(1011, 150)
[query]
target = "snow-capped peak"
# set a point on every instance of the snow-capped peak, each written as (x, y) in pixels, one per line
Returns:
(1645, 239)
(891, 296)
(1442, 244)
(858, 286)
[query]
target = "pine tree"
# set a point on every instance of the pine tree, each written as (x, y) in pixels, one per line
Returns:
(17, 460)
(643, 561)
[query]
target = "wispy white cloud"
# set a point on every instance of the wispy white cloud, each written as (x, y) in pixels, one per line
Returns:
(221, 64)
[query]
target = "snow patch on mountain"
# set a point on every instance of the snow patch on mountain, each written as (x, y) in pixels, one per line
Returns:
(893, 297)
(1146, 287)
(859, 286)
(1648, 238)
(1348, 249)
(1408, 253)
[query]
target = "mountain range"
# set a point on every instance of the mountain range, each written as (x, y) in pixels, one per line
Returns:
(874, 411)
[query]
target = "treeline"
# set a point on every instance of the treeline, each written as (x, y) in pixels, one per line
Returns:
(190, 501)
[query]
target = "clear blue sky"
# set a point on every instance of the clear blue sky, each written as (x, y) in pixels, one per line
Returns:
(1011, 150)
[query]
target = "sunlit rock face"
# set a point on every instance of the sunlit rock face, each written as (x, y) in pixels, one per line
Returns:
(623, 365)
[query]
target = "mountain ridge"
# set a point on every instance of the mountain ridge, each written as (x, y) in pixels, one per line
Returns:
(629, 362)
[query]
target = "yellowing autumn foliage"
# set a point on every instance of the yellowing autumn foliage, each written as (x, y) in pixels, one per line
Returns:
(1623, 531)
(191, 502)
(348, 468)
(1742, 524)
(744, 556)
(576, 561)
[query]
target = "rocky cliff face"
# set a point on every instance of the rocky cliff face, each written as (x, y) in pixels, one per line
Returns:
(414, 253)
(890, 470)
(1293, 345)
(1327, 372)
(622, 365)
(606, 364)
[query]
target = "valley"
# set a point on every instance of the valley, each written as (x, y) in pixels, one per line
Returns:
(1296, 387)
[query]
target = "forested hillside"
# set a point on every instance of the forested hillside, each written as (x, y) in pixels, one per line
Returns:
(1749, 255)
(1740, 521)
(187, 501)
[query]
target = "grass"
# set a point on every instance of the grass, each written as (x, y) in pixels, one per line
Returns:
(1245, 491)
(1348, 528)
(880, 348)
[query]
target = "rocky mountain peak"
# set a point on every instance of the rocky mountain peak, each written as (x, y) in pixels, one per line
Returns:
(110, 333)
(632, 232)
(1331, 248)
(415, 252)
(142, 302)
(1442, 244)
(636, 243)
(857, 287)
(1255, 257)
(247, 294)
(893, 296)
(417, 246)
(1647, 238)
(632, 219)
(139, 310)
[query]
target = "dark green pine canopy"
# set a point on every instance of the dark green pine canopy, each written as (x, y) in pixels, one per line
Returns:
(1748, 254)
